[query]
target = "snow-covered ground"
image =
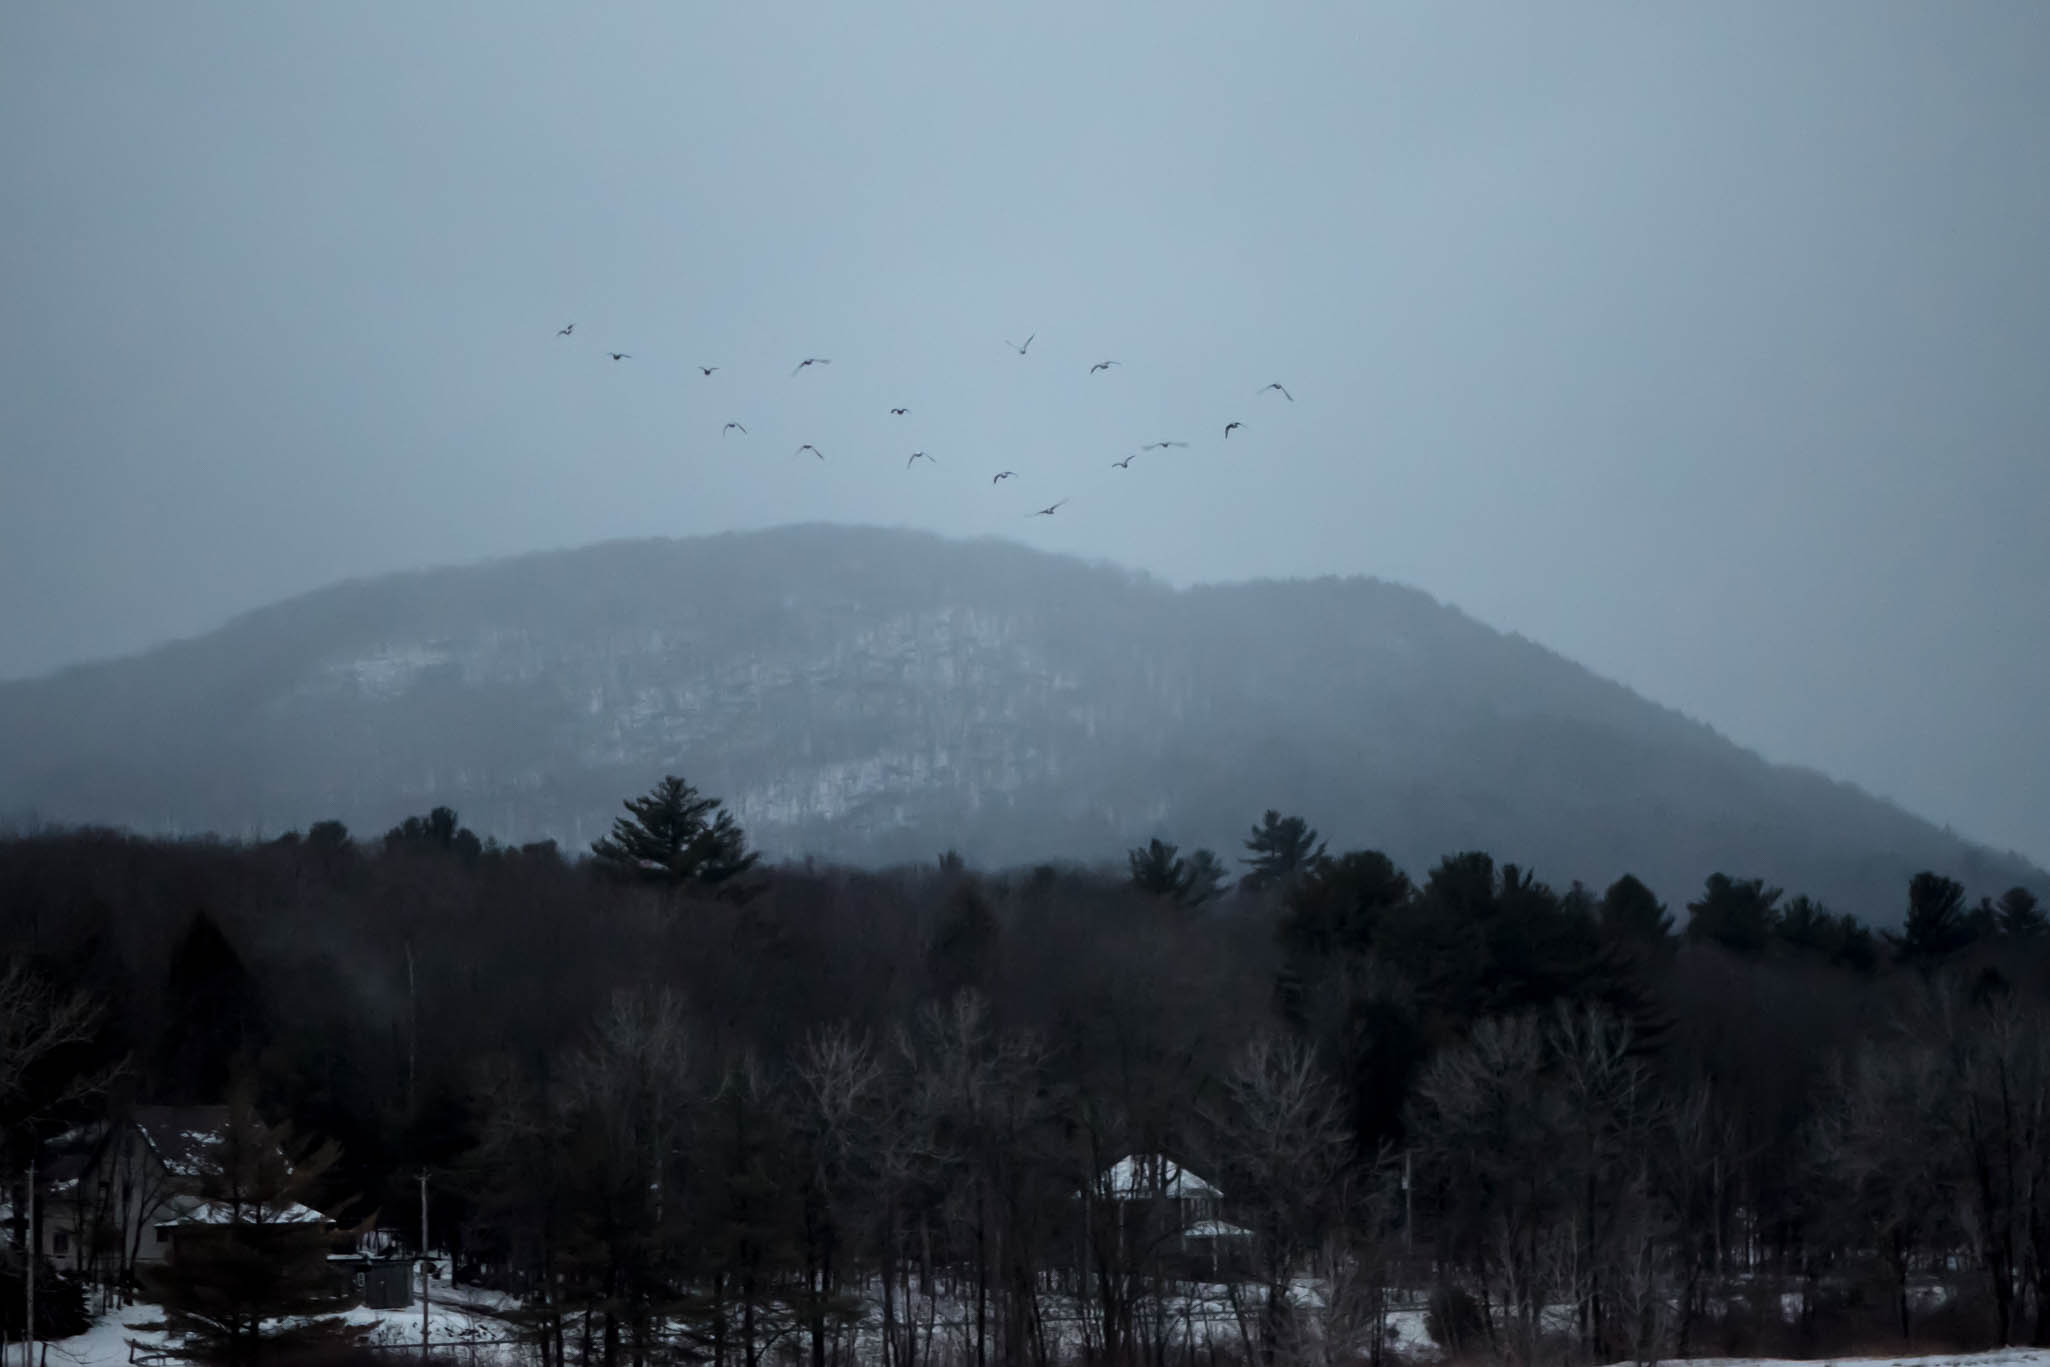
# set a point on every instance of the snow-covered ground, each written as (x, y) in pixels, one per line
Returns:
(1999, 1357)
(467, 1319)
(462, 1317)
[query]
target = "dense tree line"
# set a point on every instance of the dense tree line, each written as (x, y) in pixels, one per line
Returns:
(695, 1107)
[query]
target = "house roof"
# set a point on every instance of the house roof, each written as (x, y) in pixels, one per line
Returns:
(182, 1137)
(221, 1213)
(1141, 1176)
(1216, 1229)
(59, 1176)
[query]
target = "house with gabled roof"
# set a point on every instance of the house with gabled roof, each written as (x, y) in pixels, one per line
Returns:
(1153, 1203)
(116, 1193)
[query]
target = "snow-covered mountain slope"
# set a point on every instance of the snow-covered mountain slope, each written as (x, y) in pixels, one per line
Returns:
(879, 695)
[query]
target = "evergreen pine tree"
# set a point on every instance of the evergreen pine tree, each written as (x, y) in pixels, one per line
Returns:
(746, 1197)
(964, 944)
(253, 1251)
(1856, 946)
(1206, 877)
(440, 829)
(674, 835)
(61, 1307)
(1158, 870)
(328, 835)
(219, 1008)
(1937, 924)
(1280, 848)
(1631, 911)
(1807, 924)
(1340, 905)
(1741, 915)
(2019, 916)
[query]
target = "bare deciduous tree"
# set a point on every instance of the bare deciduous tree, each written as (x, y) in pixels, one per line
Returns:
(1280, 1143)
(37, 1021)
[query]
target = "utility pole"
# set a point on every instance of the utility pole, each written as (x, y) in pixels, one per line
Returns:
(28, 1325)
(413, 1050)
(426, 1276)
(1408, 1206)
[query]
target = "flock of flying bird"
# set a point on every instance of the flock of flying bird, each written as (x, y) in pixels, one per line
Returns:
(569, 330)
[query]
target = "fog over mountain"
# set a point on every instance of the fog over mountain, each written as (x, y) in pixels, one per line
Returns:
(1704, 344)
(877, 695)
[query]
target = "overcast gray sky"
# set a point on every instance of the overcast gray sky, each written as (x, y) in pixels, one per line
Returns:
(1709, 344)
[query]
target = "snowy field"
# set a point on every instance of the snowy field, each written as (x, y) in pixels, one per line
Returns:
(462, 1320)
(467, 1321)
(2000, 1357)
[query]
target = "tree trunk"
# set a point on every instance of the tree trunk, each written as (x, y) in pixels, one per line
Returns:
(747, 1316)
(1900, 1263)
(719, 1319)
(981, 1282)
(887, 1264)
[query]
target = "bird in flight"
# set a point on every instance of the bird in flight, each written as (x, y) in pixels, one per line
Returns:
(708, 369)
(1103, 365)
(1047, 511)
(809, 447)
(899, 412)
(733, 427)
(811, 360)
(1277, 385)
(917, 456)
(1126, 463)
(1017, 347)
(1161, 445)
(566, 330)
(1227, 429)
(620, 355)
(1001, 474)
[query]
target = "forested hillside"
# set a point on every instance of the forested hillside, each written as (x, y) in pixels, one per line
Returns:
(874, 696)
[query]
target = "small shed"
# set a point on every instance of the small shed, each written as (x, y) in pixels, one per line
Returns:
(383, 1283)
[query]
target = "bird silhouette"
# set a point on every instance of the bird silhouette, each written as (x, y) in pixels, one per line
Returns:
(732, 427)
(1277, 385)
(1103, 365)
(1020, 349)
(620, 355)
(1161, 445)
(708, 369)
(809, 447)
(567, 330)
(1228, 427)
(1126, 463)
(811, 360)
(1001, 474)
(1047, 511)
(918, 456)
(899, 412)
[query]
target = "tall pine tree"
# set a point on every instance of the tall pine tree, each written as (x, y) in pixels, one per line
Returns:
(1937, 923)
(2018, 915)
(1279, 849)
(674, 835)
(223, 1023)
(1158, 870)
(1741, 915)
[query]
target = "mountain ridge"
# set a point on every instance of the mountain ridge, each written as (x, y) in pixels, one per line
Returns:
(875, 694)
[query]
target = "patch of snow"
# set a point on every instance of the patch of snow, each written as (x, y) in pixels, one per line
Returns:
(391, 671)
(1148, 1175)
(1216, 1229)
(221, 1213)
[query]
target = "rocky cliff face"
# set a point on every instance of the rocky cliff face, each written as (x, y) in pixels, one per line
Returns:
(875, 695)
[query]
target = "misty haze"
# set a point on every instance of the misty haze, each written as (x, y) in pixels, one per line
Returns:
(1169, 686)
